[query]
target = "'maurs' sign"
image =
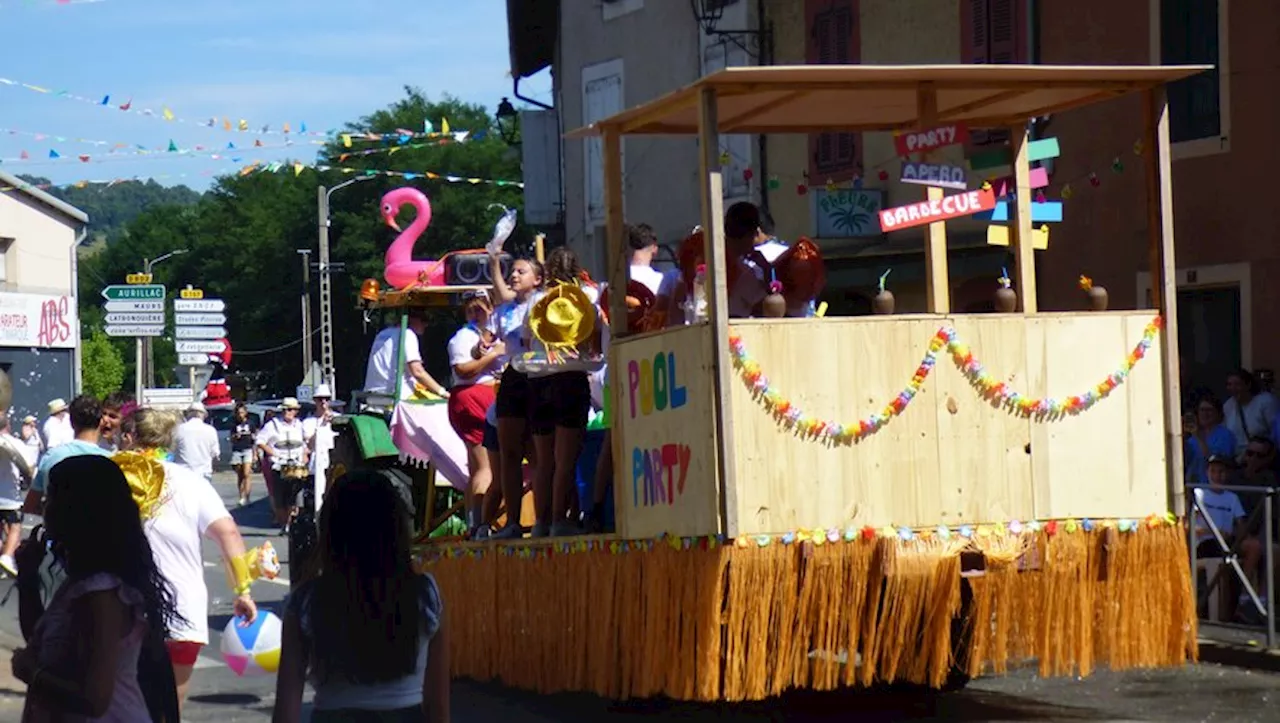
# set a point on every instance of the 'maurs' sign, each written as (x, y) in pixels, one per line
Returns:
(938, 209)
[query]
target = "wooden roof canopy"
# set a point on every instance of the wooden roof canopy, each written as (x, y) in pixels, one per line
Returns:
(823, 98)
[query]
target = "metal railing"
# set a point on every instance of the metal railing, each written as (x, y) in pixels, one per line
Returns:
(1260, 523)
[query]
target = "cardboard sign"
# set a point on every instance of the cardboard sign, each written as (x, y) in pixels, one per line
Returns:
(931, 139)
(935, 174)
(938, 209)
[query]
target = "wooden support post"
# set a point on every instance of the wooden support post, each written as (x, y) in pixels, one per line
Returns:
(1164, 282)
(712, 188)
(1020, 213)
(616, 260)
(937, 275)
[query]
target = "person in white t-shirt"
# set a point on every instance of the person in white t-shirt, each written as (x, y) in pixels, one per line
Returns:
(283, 441)
(57, 428)
(477, 357)
(317, 429)
(14, 468)
(381, 371)
(643, 243)
(179, 510)
(1246, 412)
(32, 445)
(195, 444)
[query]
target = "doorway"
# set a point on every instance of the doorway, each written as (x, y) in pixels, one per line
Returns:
(1209, 343)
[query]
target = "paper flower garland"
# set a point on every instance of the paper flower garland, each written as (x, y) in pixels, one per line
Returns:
(996, 392)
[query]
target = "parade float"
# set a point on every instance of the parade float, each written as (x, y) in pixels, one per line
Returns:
(934, 496)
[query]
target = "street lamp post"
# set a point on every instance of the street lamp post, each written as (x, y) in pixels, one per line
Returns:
(326, 296)
(148, 355)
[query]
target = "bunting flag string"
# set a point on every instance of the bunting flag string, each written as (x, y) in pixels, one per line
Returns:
(172, 150)
(296, 167)
(225, 123)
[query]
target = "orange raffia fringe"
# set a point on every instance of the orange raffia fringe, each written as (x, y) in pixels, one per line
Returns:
(737, 622)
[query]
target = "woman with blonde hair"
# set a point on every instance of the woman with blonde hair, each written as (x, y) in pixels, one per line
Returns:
(179, 508)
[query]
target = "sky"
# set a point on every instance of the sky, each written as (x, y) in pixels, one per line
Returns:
(318, 62)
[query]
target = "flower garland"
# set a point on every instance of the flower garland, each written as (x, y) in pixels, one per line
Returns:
(997, 392)
(817, 536)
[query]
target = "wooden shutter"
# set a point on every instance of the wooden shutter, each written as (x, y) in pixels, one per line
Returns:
(993, 31)
(833, 38)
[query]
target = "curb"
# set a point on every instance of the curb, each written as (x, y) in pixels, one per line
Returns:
(1240, 656)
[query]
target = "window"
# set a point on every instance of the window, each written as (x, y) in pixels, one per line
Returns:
(1190, 34)
(993, 31)
(834, 39)
(601, 98)
(6, 244)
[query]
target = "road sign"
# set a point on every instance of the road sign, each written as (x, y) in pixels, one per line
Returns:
(199, 332)
(141, 291)
(134, 306)
(190, 319)
(198, 347)
(128, 318)
(214, 305)
(167, 398)
(137, 279)
(193, 360)
(136, 330)
(190, 293)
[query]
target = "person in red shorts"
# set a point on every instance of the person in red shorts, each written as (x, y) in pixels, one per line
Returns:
(477, 358)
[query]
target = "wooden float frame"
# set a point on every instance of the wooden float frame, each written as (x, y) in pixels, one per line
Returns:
(808, 99)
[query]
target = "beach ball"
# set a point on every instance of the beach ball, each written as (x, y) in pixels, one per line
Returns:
(253, 649)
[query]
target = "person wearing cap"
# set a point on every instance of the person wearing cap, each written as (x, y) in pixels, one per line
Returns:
(317, 430)
(32, 445)
(283, 441)
(1222, 507)
(57, 428)
(195, 442)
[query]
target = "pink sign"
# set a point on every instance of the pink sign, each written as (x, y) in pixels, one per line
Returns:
(938, 209)
(930, 139)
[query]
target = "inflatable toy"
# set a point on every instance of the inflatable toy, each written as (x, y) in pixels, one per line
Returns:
(252, 649)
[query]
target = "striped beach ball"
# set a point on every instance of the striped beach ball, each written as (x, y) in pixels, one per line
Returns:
(253, 649)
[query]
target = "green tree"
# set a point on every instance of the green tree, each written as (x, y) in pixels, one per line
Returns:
(102, 366)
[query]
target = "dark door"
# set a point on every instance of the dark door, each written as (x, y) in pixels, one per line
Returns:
(1208, 338)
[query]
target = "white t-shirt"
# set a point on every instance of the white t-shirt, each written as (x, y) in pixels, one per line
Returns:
(13, 456)
(58, 430)
(648, 276)
(190, 505)
(772, 249)
(382, 362)
(324, 436)
(31, 447)
(195, 446)
(509, 324)
(1258, 415)
(285, 440)
(460, 347)
(1224, 509)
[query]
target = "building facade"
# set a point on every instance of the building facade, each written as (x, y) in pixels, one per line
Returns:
(39, 322)
(828, 187)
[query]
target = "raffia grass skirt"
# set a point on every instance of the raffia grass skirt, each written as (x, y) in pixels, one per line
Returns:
(711, 622)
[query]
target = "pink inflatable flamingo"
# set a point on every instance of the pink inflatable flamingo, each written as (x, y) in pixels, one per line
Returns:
(401, 270)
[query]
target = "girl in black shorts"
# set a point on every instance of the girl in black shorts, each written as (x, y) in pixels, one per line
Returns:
(561, 403)
(515, 394)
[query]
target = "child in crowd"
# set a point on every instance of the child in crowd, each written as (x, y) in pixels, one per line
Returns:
(477, 358)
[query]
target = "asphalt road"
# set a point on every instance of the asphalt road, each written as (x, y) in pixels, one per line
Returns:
(1194, 693)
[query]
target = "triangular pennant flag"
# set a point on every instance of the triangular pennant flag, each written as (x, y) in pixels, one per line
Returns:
(370, 172)
(84, 158)
(212, 122)
(24, 156)
(127, 104)
(427, 127)
(410, 176)
(53, 154)
(257, 143)
(173, 147)
(346, 140)
(266, 129)
(297, 169)
(393, 151)
(231, 146)
(244, 125)
(168, 114)
(226, 124)
(286, 128)
(444, 125)
(302, 127)
(106, 100)
(343, 158)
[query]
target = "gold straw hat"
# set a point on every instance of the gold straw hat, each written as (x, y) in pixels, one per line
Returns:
(563, 317)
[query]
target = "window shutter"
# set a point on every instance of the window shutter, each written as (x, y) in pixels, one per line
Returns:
(993, 31)
(973, 32)
(833, 38)
(1189, 35)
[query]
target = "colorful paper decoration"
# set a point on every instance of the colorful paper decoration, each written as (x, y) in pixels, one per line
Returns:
(996, 392)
